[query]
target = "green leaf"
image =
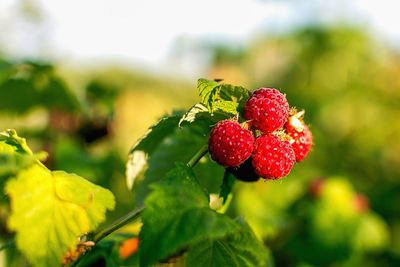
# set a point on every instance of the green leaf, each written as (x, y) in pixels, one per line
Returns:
(226, 106)
(51, 210)
(139, 155)
(236, 94)
(227, 185)
(56, 95)
(171, 145)
(200, 112)
(38, 85)
(11, 138)
(177, 215)
(224, 97)
(212, 254)
(10, 94)
(157, 133)
(181, 177)
(192, 114)
(208, 91)
(240, 249)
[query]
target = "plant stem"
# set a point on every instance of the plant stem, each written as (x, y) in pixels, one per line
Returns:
(132, 215)
(199, 154)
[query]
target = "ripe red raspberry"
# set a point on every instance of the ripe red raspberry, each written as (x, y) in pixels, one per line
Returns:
(230, 144)
(301, 136)
(267, 108)
(272, 157)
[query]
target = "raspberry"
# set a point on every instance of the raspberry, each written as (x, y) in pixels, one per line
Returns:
(272, 158)
(245, 172)
(230, 144)
(267, 108)
(300, 134)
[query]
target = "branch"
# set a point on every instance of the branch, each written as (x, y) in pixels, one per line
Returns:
(199, 154)
(130, 216)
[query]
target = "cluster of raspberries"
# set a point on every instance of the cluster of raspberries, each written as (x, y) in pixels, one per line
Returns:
(267, 144)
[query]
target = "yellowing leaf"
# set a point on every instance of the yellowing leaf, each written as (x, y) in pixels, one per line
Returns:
(11, 138)
(15, 155)
(51, 210)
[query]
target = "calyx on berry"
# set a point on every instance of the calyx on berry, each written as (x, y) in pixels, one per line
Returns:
(300, 135)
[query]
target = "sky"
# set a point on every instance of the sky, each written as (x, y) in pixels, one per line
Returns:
(144, 32)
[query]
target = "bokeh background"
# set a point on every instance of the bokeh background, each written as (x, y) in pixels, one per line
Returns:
(83, 80)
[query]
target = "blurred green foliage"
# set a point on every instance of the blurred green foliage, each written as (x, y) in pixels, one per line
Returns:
(29, 84)
(347, 82)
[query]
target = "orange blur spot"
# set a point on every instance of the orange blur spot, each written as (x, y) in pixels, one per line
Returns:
(128, 247)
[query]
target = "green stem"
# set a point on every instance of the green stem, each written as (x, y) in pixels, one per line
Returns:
(226, 189)
(199, 154)
(130, 216)
(98, 236)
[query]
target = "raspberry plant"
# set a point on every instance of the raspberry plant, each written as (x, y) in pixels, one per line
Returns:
(56, 215)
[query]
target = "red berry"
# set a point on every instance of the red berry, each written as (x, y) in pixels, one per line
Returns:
(272, 157)
(267, 108)
(301, 136)
(230, 144)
